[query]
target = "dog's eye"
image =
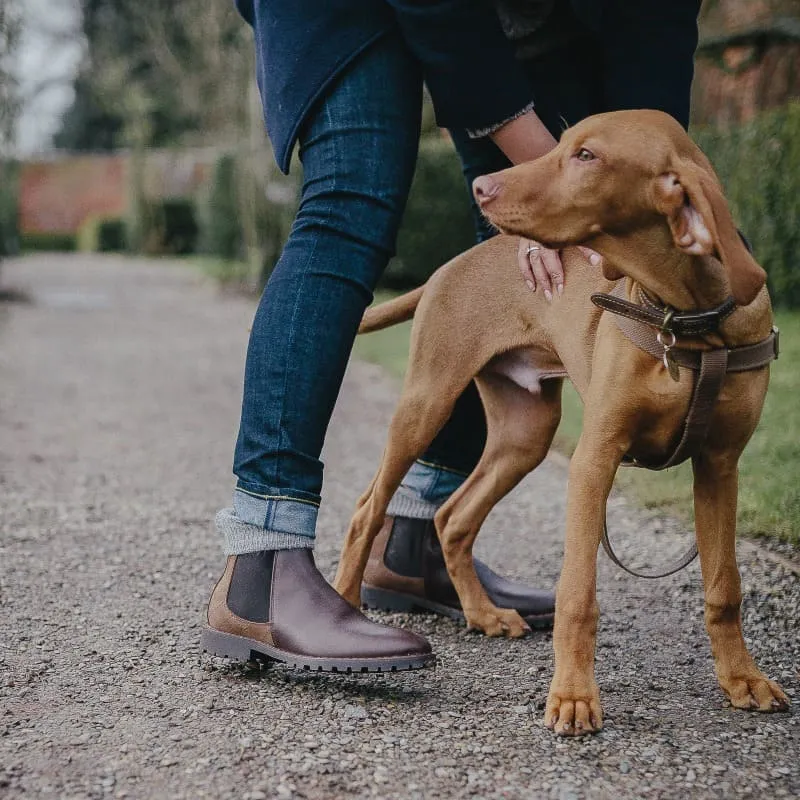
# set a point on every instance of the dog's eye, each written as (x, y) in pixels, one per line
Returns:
(584, 155)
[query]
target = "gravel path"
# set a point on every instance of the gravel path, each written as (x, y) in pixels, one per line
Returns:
(119, 399)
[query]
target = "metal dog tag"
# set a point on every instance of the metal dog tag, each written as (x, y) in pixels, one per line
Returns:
(672, 366)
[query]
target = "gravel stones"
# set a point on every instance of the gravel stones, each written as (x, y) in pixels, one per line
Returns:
(117, 421)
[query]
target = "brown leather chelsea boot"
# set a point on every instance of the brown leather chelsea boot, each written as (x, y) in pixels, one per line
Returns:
(276, 606)
(406, 572)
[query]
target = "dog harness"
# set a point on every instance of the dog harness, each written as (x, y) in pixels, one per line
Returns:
(655, 329)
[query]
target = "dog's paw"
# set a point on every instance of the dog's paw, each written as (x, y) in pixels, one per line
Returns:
(574, 713)
(755, 692)
(499, 622)
(350, 592)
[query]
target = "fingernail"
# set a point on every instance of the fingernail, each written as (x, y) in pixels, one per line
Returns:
(560, 289)
(594, 259)
(531, 286)
(549, 295)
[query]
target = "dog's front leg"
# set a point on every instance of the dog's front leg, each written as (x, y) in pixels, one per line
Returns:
(715, 496)
(573, 703)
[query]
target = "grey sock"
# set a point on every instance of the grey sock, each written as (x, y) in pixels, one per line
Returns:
(241, 537)
(407, 503)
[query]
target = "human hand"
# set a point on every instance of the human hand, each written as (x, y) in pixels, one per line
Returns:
(542, 267)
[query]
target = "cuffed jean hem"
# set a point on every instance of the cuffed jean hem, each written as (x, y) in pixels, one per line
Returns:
(424, 489)
(275, 511)
(266, 522)
(241, 537)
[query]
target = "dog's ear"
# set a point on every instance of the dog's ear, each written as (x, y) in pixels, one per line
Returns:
(691, 199)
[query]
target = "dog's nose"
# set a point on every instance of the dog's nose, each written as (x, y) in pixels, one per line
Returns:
(485, 188)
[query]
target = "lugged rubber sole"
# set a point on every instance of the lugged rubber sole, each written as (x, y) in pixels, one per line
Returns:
(242, 649)
(387, 600)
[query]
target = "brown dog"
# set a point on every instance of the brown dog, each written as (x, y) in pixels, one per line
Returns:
(635, 188)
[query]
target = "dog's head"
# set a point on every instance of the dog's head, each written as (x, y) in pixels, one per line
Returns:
(616, 174)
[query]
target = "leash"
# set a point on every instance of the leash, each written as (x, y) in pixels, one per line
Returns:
(655, 330)
(670, 569)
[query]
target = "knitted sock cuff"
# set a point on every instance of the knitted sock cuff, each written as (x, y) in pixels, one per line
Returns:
(241, 537)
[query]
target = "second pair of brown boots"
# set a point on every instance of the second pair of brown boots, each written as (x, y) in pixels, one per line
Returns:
(277, 606)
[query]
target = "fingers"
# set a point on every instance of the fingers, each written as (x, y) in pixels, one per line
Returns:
(594, 258)
(524, 261)
(540, 268)
(553, 279)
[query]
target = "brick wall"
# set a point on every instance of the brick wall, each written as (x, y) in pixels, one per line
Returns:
(748, 60)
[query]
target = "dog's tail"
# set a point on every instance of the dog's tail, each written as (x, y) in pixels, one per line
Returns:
(392, 312)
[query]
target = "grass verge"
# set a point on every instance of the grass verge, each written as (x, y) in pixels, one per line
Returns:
(769, 483)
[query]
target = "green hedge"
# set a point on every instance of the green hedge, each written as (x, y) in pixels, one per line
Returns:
(759, 165)
(244, 222)
(163, 227)
(100, 234)
(55, 242)
(9, 236)
(275, 211)
(221, 231)
(438, 222)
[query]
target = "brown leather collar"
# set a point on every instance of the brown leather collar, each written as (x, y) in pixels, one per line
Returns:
(640, 328)
(665, 318)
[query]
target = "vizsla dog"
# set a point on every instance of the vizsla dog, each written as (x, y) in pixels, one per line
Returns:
(635, 188)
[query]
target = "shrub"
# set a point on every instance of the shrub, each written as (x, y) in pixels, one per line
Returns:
(275, 210)
(246, 216)
(438, 223)
(112, 236)
(179, 226)
(100, 234)
(221, 229)
(47, 241)
(759, 165)
(9, 235)
(164, 227)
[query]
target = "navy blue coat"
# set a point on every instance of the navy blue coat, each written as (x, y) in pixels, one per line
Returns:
(302, 45)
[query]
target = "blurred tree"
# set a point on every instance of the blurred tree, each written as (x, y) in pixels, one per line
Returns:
(10, 28)
(157, 74)
(85, 125)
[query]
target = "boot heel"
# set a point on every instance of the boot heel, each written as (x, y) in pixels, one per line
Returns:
(384, 600)
(226, 645)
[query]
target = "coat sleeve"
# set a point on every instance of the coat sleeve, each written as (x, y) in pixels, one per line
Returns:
(470, 69)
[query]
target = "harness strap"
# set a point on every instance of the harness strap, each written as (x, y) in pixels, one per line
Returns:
(740, 359)
(707, 386)
(710, 368)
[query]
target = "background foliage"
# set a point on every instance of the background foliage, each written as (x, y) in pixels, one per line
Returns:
(180, 74)
(759, 164)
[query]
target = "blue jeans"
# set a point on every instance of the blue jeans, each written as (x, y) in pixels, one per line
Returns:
(358, 149)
